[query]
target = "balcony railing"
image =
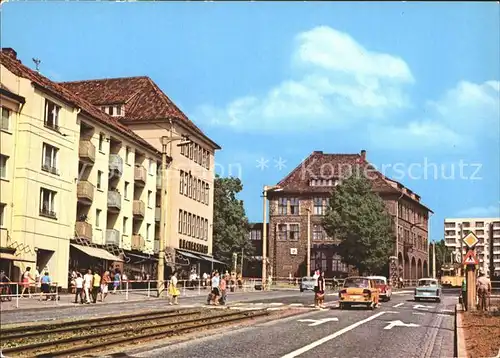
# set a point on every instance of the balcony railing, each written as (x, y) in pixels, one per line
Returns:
(140, 175)
(115, 165)
(137, 242)
(138, 208)
(114, 201)
(113, 237)
(83, 230)
(86, 151)
(157, 214)
(85, 191)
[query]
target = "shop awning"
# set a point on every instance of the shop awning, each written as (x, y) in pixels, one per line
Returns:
(97, 252)
(10, 257)
(152, 258)
(189, 255)
(211, 259)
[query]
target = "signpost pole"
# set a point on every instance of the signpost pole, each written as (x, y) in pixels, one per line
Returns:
(470, 261)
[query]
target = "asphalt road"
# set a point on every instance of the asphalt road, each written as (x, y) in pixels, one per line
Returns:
(399, 328)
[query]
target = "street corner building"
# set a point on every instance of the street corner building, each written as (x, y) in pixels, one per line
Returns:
(81, 176)
(308, 188)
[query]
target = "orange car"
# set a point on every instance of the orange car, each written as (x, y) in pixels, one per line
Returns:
(359, 291)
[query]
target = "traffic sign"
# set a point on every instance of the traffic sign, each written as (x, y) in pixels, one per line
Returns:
(470, 240)
(470, 258)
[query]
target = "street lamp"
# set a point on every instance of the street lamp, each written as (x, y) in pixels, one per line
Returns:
(264, 230)
(308, 263)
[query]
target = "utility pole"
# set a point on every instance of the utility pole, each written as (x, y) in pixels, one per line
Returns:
(308, 263)
(434, 259)
(163, 213)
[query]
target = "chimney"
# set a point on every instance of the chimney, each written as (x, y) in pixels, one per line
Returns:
(9, 52)
(363, 155)
(318, 152)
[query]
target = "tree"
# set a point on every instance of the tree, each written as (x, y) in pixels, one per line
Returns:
(230, 226)
(443, 256)
(357, 216)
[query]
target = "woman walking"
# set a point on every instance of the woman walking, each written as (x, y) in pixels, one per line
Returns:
(27, 278)
(173, 291)
(319, 296)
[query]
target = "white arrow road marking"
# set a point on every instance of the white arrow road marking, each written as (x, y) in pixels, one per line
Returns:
(417, 307)
(399, 304)
(398, 323)
(317, 322)
(447, 311)
(418, 313)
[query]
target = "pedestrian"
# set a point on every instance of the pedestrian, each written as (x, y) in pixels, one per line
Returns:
(37, 279)
(26, 279)
(483, 290)
(106, 279)
(320, 293)
(215, 289)
(173, 291)
(223, 288)
(45, 286)
(464, 294)
(87, 285)
(116, 281)
(96, 284)
(79, 287)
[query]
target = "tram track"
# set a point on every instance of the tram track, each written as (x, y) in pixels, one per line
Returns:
(104, 338)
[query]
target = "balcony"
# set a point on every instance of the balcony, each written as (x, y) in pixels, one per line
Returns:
(83, 230)
(114, 201)
(140, 175)
(138, 209)
(113, 237)
(115, 165)
(157, 214)
(86, 151)
(85, 192)
(137, 242)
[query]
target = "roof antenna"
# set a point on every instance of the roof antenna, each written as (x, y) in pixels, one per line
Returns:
(37, 63)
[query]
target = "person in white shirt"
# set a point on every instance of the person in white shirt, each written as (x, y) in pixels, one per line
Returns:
(87, 285)
(79, 287)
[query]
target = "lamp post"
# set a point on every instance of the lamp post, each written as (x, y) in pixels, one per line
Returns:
(264, 230)
(308, 263)
(165, 141)
(397, 239)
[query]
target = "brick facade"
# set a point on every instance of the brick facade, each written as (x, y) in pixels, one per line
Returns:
(287, 253)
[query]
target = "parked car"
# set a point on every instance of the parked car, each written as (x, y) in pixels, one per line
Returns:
(359, 290)
(307, 283)
(384, 287)
(428, 289)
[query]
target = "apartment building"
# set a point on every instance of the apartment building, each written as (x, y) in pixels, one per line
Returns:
(308, 188)
(78, 189)
(487, 231)
(139, 104)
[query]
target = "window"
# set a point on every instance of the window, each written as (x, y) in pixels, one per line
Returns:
(49, 158)
(2, 216)
(181, 182)
(5, 121)
(150, 193)
(125, 222)
(198, 227)
(119, 110)
(196, 148)
(195, 189)
(51, 118)
(198, 191)
(186, 179)
(125, 190)
(179, 229)
(151, 167)
(255, 235)
(206, 229)
(148, 230)
(208, 160)
(294, 232)
(466, 224)
(191, 149)
(318, 206)
(97, 217)
(190, 185)
(193, 223)
(479, 232)
(282, 232)
(479, 224)
(183, 147)
(47, 202)
(3, 166)
(282, 206)
(101, 142)
(202, 195)
(318, 232)
(200, 155)
(337, 264)
(185, 225)
(99, 179)
(207, 193)
(294, 206)
(127, 155)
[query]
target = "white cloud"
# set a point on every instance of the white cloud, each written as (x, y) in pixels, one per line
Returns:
(336, 80)
(465, 112)
(479, 211)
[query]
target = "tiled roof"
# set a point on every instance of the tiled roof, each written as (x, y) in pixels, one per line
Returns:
(143, 99)
(16, 67)
(319, 165)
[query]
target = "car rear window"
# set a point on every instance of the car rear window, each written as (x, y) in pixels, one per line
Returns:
(356, 283)
(427, 283)
(379, 282)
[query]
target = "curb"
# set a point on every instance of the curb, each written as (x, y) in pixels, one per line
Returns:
(460, 350)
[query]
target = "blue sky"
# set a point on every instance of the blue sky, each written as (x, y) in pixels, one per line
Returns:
(414, 84)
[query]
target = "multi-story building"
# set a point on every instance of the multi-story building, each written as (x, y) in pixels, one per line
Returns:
(252, 265)
(308, 189)
(139, 104)
(487, 231)
(78, 189)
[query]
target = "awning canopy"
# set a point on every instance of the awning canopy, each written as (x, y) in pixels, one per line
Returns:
(10, 257)
(152, 258)
(189, 255)
(97, 252)
(211, 259)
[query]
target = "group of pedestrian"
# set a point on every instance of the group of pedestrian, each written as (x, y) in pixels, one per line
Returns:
(218, 292)
(90, 285)
(319, 289)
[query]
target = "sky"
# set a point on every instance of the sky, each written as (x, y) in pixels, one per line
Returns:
(415, 84)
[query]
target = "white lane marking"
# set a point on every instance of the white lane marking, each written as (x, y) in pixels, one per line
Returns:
(399, 304)
(447, 311)
(276, 304)
(422, 307)
(399, 323)
(296, 305)
(331, 336)
(317, 322)
(418, 313)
